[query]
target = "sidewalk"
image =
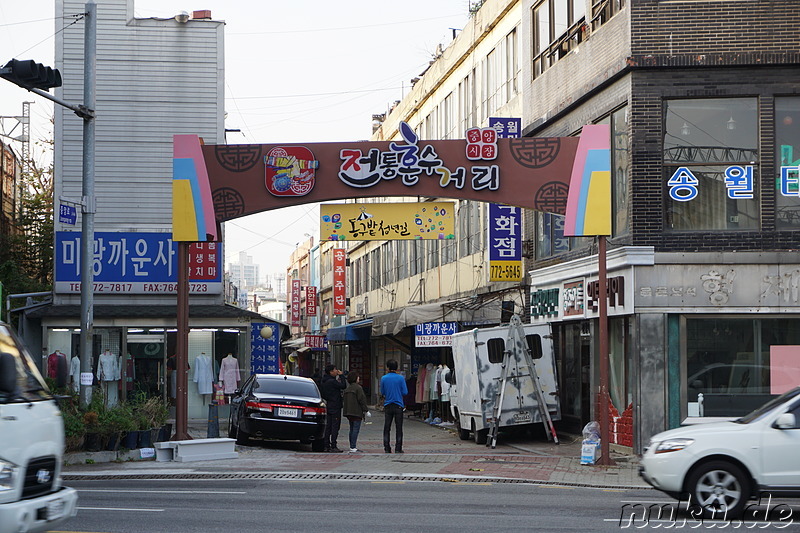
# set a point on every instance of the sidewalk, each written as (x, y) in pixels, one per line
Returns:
(431, 452)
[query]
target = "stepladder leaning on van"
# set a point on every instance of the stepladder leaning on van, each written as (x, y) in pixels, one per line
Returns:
(32, 497)
(479, 356)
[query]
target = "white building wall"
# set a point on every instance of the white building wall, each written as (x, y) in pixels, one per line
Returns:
(155, 78)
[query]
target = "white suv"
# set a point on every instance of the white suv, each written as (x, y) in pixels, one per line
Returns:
(722, 465)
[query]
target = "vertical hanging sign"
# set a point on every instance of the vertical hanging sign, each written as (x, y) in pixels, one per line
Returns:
(339, 296)
(311, 300)
(295, 303)
(505, 235)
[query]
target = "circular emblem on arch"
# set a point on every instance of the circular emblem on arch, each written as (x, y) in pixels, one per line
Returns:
(535, 152)
(228, 204)
(552, 197)
(238, 157)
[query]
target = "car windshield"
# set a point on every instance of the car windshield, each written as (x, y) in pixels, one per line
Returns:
(28, 384)
(769, 406)
(286, 387)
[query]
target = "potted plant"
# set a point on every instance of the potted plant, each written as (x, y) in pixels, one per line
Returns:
(92, 438)
(114, 423)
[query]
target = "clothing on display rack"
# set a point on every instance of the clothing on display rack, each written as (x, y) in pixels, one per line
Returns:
(433, 395)
(419, 396)
(75, 373)
(203, 374)
(107, 372)
(426, 388)
(229, 374)
(58, 367)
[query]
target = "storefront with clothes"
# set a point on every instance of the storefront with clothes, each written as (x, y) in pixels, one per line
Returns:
(690, 335)
(137, 360)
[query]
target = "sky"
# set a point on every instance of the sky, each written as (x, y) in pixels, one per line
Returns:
(296, 71)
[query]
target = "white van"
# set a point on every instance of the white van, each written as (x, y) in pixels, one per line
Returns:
(31, 446)
(478, 357)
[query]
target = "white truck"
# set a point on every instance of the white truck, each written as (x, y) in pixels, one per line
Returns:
(478, 359)
(31, 446)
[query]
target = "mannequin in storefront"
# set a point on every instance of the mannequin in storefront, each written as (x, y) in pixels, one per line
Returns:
(58, 367)
(229, 374)
(75, 373)
(445, 396)
(204, 376)
(108, 373)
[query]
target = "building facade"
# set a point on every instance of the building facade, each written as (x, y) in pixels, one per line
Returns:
(702, 101)
(155, 78)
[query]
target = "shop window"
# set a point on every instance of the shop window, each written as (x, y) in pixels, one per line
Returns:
(729, 362)
(787, 158)
(496, 349)
(711, 164)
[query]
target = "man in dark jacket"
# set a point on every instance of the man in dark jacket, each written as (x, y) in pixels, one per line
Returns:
(333, 383)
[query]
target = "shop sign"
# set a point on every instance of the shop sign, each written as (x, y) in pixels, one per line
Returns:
(400, 221)
(506, 127)
(574, 299)
(738, 182)
(136, 263)
(317, 342)
(294, 302)
(311, 300)
(615, 292)
(434, 334)
(339, 281)
(264, 352)
(544, 303)
(505, 243)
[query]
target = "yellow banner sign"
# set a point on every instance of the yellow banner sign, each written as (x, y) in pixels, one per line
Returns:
(505, 271)
(383, 222)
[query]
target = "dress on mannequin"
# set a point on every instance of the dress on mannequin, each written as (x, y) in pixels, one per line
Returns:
(203, 374)
(58, 368)
(229, 374)
(108, 372)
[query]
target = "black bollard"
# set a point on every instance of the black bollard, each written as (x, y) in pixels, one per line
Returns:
(213, 421)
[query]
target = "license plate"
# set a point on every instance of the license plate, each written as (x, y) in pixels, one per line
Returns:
(288, 413)
(522, 417)
(55, 509)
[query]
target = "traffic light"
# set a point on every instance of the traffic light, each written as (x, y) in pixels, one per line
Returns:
(31, 75)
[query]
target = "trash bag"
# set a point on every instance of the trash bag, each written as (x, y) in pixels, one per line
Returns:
(591, 432)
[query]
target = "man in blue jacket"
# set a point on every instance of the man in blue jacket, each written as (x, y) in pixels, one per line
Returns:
(393, 388)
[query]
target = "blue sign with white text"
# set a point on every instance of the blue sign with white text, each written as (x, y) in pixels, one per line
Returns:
(264, 351)
(67, 214)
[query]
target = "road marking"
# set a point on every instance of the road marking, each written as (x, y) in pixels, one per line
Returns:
(167, 491)
(306, 480)
(394, 482)
(119, 509)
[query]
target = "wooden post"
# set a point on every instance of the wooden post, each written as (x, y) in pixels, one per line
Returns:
(602, 325)
(182, 349)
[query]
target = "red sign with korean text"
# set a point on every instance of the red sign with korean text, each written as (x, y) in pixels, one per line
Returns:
(295, 302)
(339, 280)
(311, 301)
(203, 260)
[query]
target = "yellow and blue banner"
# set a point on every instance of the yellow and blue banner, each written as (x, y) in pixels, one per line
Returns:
(192, 208)
(589, 198)
(383, 222)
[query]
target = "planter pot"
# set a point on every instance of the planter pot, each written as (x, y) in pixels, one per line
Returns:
(74, 443)
(92, 442)
(144, 440)
(130, 440)
(165, 433)
(154, 434)
(113, 442)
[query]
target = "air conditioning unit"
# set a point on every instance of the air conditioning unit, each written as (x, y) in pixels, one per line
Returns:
(360, 309)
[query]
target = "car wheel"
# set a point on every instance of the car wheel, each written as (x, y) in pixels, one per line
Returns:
(231, 432)
(719, 488)
(242, 437)
(318, 445)
(463, 434)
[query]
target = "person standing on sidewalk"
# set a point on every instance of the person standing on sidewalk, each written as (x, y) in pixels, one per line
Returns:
(333, 383)
(393, 388)
(355, 407)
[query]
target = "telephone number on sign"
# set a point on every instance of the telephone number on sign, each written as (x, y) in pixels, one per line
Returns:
(111, 287)
(499, 272)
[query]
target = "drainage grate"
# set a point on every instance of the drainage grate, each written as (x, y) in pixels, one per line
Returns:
(339, 477)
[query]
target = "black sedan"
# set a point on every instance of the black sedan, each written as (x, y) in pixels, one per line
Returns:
(273, 406)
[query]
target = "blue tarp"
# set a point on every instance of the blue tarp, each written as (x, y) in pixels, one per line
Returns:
(355, 331)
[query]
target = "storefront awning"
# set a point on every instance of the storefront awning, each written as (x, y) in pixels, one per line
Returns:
(355, 331)
(393, 322)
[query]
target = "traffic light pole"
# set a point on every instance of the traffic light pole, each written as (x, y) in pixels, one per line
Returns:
(88, 202)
